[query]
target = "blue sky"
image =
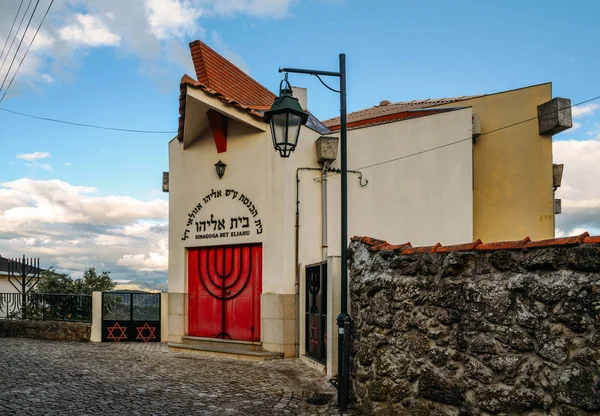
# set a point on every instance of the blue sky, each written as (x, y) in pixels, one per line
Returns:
(118, 64)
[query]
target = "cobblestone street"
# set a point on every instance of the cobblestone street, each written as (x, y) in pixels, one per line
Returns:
(66, 378)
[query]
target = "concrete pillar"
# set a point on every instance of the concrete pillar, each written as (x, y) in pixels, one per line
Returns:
(164, 317)
(177, 317)
(96, 335)
(333, 310)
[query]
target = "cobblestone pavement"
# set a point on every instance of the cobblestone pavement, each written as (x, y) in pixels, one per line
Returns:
(67, 378)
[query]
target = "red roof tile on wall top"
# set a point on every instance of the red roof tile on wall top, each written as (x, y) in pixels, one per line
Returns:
(218, 74)
(526, 243)
(386, 110)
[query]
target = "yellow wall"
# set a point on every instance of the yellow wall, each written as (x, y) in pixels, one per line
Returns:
(512, 168)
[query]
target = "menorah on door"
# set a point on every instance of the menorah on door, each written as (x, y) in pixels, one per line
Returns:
(224, 282)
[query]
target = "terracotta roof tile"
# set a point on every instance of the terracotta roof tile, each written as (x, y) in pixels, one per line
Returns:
(394, 108)
(422, 250)
(388, 118)
(218, 74)
(526, 243)
(458, 247)
(504, 245)
(566, 241)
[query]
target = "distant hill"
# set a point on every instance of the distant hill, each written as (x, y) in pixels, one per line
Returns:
(143, 285)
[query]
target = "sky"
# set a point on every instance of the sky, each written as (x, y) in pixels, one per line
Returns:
(79, 197)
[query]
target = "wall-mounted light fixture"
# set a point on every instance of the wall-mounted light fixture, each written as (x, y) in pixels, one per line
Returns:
(220, 168)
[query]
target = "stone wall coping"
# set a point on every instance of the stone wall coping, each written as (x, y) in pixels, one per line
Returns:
(526, 243)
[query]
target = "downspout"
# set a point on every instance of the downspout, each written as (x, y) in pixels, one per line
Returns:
(324, 209)
(297, 258)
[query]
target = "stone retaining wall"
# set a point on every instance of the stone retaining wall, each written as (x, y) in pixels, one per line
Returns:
(50, 330)
(475, 332)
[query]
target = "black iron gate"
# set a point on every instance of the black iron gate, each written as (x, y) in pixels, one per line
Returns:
(316, 311)
(130, 317)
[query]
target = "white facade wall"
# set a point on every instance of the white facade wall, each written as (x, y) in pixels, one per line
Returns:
(422, 199)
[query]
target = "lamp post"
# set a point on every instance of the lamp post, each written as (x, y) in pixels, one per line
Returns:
(284, 118)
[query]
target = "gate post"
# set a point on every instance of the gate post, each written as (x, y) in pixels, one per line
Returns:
(96, 335)
(164, 316)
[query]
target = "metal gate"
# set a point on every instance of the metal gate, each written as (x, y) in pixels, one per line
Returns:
(316, 311)
(225, 284)
(130, 317)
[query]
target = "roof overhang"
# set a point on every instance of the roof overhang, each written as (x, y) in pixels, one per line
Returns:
(196, 121)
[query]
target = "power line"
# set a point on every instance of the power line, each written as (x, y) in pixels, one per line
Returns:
(15, 37)
(87, 125)
(11, 28)
(535, 118)
(469, 138)
(20, 42)
(27, 51)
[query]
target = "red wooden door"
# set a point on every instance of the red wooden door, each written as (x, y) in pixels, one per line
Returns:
(224, 285)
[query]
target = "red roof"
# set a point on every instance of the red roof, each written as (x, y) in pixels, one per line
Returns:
(222, 79)
(387, 111)
(526, 243)
(217, 73)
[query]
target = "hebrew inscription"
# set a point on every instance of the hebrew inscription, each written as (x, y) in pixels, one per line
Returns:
(199, 226)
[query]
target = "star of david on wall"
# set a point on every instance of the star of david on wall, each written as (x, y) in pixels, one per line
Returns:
(141, 329)
(118, 337)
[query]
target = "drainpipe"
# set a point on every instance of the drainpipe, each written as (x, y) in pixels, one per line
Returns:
(297, 258)
(324, 209)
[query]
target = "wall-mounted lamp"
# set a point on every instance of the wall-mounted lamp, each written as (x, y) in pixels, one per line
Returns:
(220, 168)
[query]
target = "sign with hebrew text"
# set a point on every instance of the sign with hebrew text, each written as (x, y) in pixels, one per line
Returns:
(205, 221)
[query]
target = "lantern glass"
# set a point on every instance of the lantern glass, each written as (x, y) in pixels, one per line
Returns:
(286, 118)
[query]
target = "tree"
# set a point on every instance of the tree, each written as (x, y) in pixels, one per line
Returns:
(53, 282)
(94, 282)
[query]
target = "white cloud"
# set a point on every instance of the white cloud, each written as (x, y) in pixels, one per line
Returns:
(88, 30)
(169, 18)
(256, 8)
(576, 126)
(580, 190)
(33, 156)
(43, 166)
(70, 227)
(47, 79)
(151, 262)
(154, 31)
(68, 164)
(584, 110)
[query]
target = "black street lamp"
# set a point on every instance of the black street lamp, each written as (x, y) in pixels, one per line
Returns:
(286, 117)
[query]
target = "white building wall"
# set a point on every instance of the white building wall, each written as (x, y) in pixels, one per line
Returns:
(422, 199)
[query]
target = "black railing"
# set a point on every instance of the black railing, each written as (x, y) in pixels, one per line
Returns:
(46, 306)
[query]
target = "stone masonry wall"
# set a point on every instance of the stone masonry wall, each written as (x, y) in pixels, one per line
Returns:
(50, 330)
(504, 328)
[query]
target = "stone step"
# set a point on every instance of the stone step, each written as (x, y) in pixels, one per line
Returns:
(224, 349)
(217, 343)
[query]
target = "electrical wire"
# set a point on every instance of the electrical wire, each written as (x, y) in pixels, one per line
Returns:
(11, 29)
(27, 51)
(20, 42)
(15, 37)
(87, 125)
(468, 138)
